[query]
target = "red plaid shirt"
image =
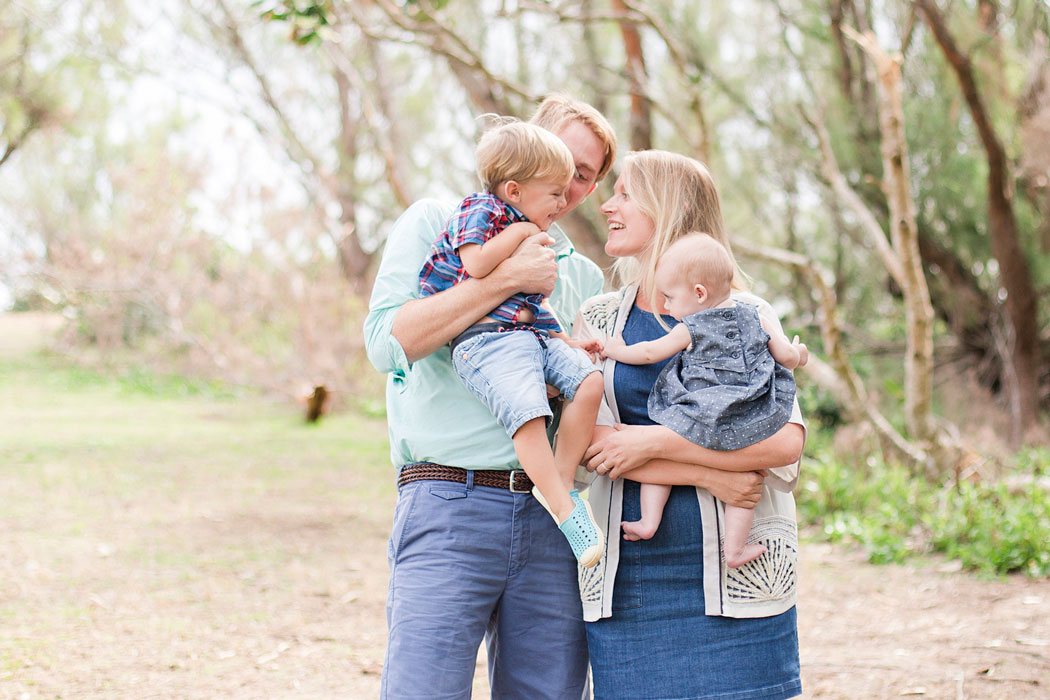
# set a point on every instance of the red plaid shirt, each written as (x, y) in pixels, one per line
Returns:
(478, 218)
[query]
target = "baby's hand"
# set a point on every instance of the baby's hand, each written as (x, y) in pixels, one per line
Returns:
(612, 346)
(528, 232)
(803, 352)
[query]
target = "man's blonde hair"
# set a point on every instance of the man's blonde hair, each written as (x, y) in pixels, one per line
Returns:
(679, 195)
(519, 151)
(697, 258)
(558, 110)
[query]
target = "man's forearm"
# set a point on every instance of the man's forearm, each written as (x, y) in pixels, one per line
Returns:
(422, 326)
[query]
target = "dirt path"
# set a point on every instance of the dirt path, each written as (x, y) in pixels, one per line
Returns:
(889, 631)
(241, 557)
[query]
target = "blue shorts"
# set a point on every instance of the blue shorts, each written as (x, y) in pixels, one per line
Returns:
(508, 371)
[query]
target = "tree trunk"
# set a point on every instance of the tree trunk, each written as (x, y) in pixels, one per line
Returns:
(1014, 273)
(896, 183)
(641, 117)
(353, 260)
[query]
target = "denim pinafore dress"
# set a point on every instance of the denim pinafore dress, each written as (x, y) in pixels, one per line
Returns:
(726, 391)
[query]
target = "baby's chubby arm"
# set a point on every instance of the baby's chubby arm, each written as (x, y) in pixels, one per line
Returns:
(790, 354)
(649, 351)
(481, 259)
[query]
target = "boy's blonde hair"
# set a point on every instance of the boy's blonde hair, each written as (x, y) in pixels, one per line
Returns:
(698, 258)
(558, 110)
(519, 151)
(679, 195)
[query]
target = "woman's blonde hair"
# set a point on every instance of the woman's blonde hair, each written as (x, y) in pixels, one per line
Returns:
(559, 110)
(519, 151)
(679, 195)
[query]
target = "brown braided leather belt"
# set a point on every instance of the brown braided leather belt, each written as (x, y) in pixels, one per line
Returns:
(515, 480)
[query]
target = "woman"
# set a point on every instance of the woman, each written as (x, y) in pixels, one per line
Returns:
(666, 617)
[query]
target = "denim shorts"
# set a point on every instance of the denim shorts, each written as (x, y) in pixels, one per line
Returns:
(508, 371)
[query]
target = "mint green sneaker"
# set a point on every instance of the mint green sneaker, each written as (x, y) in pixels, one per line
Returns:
(582, 532)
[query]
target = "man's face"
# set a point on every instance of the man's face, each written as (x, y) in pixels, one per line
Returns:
(587, 154)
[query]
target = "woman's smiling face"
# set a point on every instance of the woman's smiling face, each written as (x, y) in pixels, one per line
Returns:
(630, 229)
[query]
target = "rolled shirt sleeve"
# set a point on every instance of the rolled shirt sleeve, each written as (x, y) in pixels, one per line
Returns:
(397, 281)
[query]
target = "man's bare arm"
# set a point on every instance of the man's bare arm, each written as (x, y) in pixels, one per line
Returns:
(422, 326)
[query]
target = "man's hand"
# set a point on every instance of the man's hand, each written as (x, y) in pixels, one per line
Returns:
(532, 269)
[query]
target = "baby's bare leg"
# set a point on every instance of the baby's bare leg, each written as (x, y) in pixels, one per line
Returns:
(738, 527)
(653, 497)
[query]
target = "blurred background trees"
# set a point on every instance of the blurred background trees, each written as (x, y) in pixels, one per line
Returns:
(209, 184)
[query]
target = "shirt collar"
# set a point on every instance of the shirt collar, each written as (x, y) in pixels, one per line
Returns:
(562, 246)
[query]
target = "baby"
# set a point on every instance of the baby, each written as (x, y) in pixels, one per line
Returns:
(729, 384)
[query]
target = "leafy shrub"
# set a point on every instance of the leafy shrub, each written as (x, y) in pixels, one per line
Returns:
(894, 515)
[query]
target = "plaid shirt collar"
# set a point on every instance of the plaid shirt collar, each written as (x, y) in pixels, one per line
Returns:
(562, 245)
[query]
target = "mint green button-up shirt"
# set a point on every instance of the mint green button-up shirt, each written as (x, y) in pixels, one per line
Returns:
(431, 415)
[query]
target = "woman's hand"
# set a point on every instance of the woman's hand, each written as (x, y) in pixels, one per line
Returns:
(623, 449)
(742, 489)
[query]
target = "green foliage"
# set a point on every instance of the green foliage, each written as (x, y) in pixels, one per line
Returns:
(308, 20)
(993, 529)
(987, 526)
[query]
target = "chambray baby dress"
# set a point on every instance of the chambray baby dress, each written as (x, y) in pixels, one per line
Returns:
(726, 391)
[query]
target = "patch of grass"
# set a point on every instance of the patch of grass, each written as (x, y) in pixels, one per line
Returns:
(894, 515)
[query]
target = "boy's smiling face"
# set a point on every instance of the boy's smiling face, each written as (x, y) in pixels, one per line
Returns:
(540, 200)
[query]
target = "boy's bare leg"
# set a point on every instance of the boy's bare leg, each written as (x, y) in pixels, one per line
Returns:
(653, 498)
(738, 527)
(577, 426)
(534, 453)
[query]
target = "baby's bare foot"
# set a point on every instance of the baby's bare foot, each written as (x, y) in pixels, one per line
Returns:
(639, 530)
(749, 552)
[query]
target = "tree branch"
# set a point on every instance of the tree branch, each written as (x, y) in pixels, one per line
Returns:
(851, 388)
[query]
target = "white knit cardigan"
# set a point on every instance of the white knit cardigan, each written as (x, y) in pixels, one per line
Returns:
(764, 587)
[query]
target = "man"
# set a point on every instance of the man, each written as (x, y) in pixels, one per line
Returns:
(472, 554)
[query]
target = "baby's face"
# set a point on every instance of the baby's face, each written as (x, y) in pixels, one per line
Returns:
(542, 201)
(680, 294)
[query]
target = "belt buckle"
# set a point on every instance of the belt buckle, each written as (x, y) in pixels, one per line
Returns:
(512, 483)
